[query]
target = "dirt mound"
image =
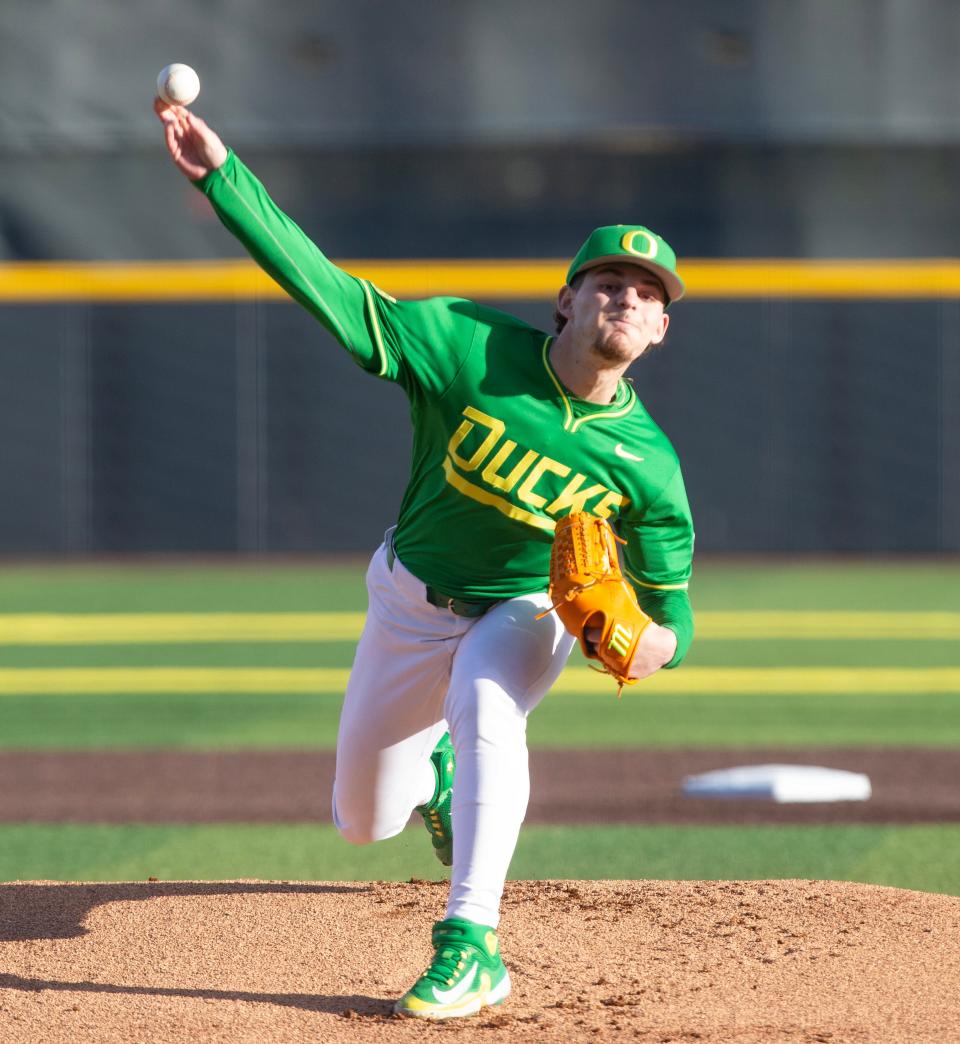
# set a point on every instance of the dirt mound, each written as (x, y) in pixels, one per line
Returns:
(590, 960)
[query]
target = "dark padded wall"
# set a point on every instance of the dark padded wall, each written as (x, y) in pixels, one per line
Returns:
(802, 426)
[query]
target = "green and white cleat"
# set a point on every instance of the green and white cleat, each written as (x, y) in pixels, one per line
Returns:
(466, 974)
(436, 813)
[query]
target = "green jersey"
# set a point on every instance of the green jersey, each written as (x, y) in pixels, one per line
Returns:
(501, 449)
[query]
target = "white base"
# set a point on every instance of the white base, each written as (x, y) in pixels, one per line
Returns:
(780, 783)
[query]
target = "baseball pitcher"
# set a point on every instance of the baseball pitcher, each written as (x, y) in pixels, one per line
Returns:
(469, 625)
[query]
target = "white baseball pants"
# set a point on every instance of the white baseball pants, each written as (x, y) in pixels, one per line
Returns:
(419, 670)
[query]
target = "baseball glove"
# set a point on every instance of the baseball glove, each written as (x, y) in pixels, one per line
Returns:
(589, 593)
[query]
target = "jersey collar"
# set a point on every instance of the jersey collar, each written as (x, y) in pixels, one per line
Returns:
(577, 411)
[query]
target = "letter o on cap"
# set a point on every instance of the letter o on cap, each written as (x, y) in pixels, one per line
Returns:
(647, 248)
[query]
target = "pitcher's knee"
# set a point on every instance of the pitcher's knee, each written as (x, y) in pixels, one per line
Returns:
(364, 829)
(349, 832)
(350, 828)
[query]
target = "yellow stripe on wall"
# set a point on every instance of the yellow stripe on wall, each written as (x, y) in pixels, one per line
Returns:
(331, 681)
(921, 278)
(27, 282)
(193, 628)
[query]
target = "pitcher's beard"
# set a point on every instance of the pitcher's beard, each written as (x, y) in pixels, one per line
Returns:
(615, 347)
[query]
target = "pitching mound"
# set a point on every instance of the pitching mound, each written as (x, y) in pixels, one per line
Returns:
(643, 960)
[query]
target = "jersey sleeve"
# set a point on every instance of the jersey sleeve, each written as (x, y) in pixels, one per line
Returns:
(416, 343)
(658, 560)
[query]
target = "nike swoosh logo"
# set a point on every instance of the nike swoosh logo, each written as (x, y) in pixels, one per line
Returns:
(626, 454)
(454, 994)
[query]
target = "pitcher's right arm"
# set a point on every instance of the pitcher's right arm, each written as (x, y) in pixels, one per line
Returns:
(415, 343)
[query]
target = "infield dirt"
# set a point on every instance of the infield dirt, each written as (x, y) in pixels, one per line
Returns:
(652, 961)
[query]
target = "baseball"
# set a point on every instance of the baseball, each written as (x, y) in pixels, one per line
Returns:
(178, 84)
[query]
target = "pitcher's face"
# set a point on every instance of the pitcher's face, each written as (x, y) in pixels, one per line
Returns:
(618, 310)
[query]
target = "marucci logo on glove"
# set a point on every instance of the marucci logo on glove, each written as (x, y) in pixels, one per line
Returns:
(620, 639)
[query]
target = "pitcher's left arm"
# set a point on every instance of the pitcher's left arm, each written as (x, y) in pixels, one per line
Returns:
(658, 561)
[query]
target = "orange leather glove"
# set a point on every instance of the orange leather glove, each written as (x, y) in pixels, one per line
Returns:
(588, 591)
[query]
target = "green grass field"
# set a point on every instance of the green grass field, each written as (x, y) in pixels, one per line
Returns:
(893, 680)
(921, 857)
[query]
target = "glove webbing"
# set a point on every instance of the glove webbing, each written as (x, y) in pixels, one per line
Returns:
(568, 597)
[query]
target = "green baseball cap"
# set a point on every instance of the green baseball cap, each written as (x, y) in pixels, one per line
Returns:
(634, 245)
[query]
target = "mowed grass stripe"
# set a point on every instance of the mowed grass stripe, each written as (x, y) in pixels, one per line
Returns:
(137, 628)
(142, 628)
(825, 625)
(307, 721)
(917, 857)
(333, 680)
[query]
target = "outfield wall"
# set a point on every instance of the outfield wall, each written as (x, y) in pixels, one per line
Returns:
(812, 412)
